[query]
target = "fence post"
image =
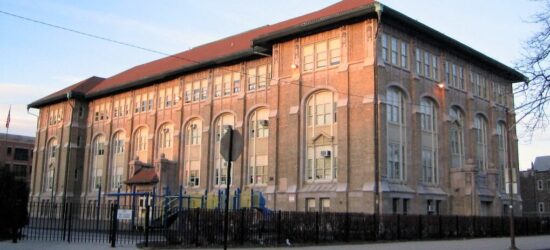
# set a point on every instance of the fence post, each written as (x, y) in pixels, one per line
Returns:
(398, 227)
(375, 226)
(197, 226)
(147, 209)
(278, 227)
(242, 227)
(70, 222)
(114, 224)
(419, 226)
(317, 227)
(64, 216)
(347, 223)
(440, 228)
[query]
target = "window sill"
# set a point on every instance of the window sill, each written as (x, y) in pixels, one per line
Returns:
(328, 67)
(334, 180)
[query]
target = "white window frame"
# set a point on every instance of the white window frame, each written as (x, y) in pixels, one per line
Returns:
(480, 129)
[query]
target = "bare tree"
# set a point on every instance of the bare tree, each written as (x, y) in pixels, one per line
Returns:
(534, 94)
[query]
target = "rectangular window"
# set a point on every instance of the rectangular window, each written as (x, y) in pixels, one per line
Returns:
(428, 172)
(168, 98)
(323, 113)
(454, 81)
(404, 55)
(258, 174)
(204, 89)
(334, 50)
(394, 50)
(460, 78)
(418, 60)
(435, 67)
(448, 73)
(321, 54)
(309, 169)
(310, 205)
(323, 168)
(218, 86)
(307, 58)
(427, 65)
(194, 179)
(227, 84)
(395, 205)
(9, 151)
(325, 205)
(252, 79)
(384, 41)
(236, 82)
(395, 156)
(143, 106)
(262, 76)
(21, 154)
(541, 207)
(540, 185)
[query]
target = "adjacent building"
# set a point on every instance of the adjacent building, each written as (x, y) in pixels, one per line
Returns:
(16, 154)
(535, 188)
(355, 107)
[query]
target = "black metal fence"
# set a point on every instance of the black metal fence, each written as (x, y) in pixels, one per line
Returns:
(154, 226)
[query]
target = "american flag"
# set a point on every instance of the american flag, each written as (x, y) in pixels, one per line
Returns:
(8, 119)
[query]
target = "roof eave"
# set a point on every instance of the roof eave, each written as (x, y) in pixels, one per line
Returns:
(510, 73)
(57, 99)
(269, 39)
(173, 73)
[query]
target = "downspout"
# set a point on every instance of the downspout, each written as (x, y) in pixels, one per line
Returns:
(67, 159)
(378, 9)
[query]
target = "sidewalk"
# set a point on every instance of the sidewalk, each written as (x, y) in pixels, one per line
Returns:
(524, 243)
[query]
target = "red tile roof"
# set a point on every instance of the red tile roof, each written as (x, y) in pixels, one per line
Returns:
(221, 48)
(239, 46)
(80, 88)
(145, 175)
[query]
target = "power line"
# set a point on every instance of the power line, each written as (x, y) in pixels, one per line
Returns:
(169, 55)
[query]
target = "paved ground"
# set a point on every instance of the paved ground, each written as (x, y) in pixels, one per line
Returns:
(532, 243)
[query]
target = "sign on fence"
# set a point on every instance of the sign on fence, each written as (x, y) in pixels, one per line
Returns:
(124, 214)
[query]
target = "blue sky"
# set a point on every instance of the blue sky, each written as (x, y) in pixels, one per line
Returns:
(36, 60)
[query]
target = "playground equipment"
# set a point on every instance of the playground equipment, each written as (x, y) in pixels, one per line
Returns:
(165, 208)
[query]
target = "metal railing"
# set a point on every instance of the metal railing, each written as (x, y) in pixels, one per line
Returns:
(254, 227)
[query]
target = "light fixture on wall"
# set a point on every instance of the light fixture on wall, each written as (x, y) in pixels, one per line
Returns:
(441, 85)
(294, 66)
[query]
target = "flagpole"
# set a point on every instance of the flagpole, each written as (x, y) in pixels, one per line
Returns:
(8, 123)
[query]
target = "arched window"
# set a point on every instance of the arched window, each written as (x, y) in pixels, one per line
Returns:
(140, 144)
(457, 137)
(502, 140)
(50, 164)
(258, 133)
(220, 165)
(428, 126)
(427, 115)
(193, 152)
(396, 134)
(480, 133)
(165, 136)
(395, 106)
(98, 161)
(321, 141)
(118, 160)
